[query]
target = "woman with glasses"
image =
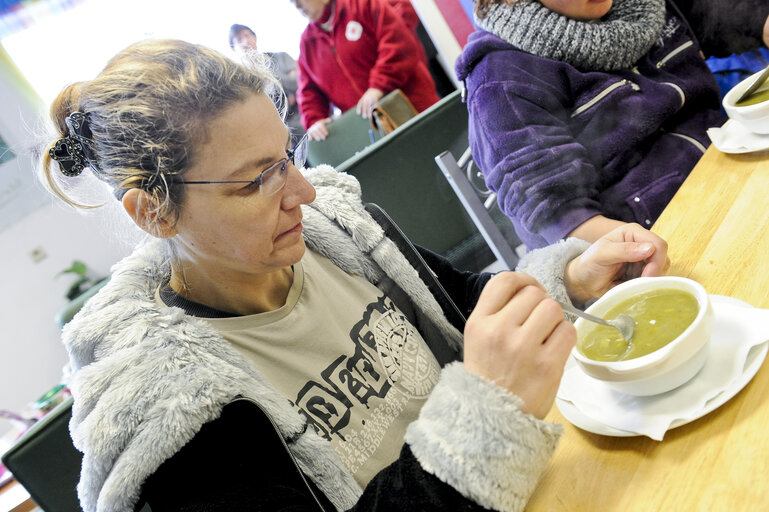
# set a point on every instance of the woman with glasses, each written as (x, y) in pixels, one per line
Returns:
(276, 345)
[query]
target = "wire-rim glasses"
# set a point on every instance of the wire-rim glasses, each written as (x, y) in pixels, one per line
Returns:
(273, 178)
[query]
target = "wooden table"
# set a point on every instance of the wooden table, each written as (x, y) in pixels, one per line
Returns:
(717, 228)
(14, 498)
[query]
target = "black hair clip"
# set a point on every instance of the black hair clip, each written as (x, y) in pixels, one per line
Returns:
(75, 151)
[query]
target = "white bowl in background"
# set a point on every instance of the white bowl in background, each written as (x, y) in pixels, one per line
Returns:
(753, 117)
(667, 367)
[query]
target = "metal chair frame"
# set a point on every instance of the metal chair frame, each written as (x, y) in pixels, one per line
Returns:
(478, 204)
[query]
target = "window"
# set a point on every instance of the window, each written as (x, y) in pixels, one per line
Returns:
(76, 44)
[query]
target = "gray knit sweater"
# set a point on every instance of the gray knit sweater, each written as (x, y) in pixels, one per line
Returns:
(616, 41)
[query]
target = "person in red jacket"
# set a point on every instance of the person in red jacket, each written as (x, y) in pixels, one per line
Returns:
(351, 54)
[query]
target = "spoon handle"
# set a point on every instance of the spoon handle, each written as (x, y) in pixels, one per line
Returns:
(755, 85)
(571, 309)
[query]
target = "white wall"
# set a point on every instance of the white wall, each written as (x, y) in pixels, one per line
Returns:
(440, 33)
(31, 355)
(277, 23)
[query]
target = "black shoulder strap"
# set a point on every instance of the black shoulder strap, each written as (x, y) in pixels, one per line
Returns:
(394, 233)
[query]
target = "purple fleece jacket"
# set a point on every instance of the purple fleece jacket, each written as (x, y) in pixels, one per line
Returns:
(560, 145)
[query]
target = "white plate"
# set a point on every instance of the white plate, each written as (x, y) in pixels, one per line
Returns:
(734, 138)
(753, 362)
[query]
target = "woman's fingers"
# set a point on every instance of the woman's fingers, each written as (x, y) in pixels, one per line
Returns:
(626, 252)
(501, 289)
(542, 320)
(560, 342)
(319, 130)
(528, 300)
(517, 337)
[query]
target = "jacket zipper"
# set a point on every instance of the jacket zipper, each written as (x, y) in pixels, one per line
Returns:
(288, 450)
(674, 53)
(694, 141)
(339, 63)
(680, 92)
(601, 95)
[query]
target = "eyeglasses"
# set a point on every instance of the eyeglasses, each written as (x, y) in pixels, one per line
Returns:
(273, 178)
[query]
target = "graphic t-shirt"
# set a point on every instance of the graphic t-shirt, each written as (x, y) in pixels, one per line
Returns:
(346, 357)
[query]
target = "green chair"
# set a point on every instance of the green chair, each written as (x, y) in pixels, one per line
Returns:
(66, 314)
(399, 173)
(481, 204)
(347, 135)
(46, 463)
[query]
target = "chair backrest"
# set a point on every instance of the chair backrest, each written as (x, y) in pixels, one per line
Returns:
(66, 314)
(46, 463)
(480, 204)
(399, 173)
(347, 135)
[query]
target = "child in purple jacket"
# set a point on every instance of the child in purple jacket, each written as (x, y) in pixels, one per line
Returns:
(586, 114)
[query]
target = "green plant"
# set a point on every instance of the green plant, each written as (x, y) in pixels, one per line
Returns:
(83, 281)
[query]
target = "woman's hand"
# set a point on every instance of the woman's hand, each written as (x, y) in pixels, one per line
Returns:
(518, 338)
(766, 31)
(624, 253)
(319, 130)
(595, 227)
(367, 101)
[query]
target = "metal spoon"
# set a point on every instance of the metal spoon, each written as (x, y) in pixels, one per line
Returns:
(623, 323)
(755, 85)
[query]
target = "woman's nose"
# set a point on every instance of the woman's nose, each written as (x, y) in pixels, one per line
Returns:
(298, 190)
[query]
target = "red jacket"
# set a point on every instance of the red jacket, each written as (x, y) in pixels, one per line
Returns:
(406, 12)
(368, 46)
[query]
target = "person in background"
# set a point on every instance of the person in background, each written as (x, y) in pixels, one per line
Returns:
(731, 36)
(352, 53)
(585, 114)
(243, 41)
(725, 27)
(269, 347)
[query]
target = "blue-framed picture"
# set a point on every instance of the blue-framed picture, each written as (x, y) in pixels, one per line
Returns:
(5, 152)
(20, 192)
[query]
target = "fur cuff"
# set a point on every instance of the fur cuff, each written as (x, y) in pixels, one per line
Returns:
(547, 265)
(472, 435)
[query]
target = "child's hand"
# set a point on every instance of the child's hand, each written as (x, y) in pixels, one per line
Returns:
(518, 338)
(367, 101)
(318, 130)
(624, 253)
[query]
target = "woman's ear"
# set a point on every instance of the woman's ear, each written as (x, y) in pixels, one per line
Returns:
(141, 207)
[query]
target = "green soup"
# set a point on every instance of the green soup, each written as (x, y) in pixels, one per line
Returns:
(755, 98)
(660, 317)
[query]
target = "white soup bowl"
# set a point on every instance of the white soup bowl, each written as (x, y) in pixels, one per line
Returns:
(753, 117)
(667, 367)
